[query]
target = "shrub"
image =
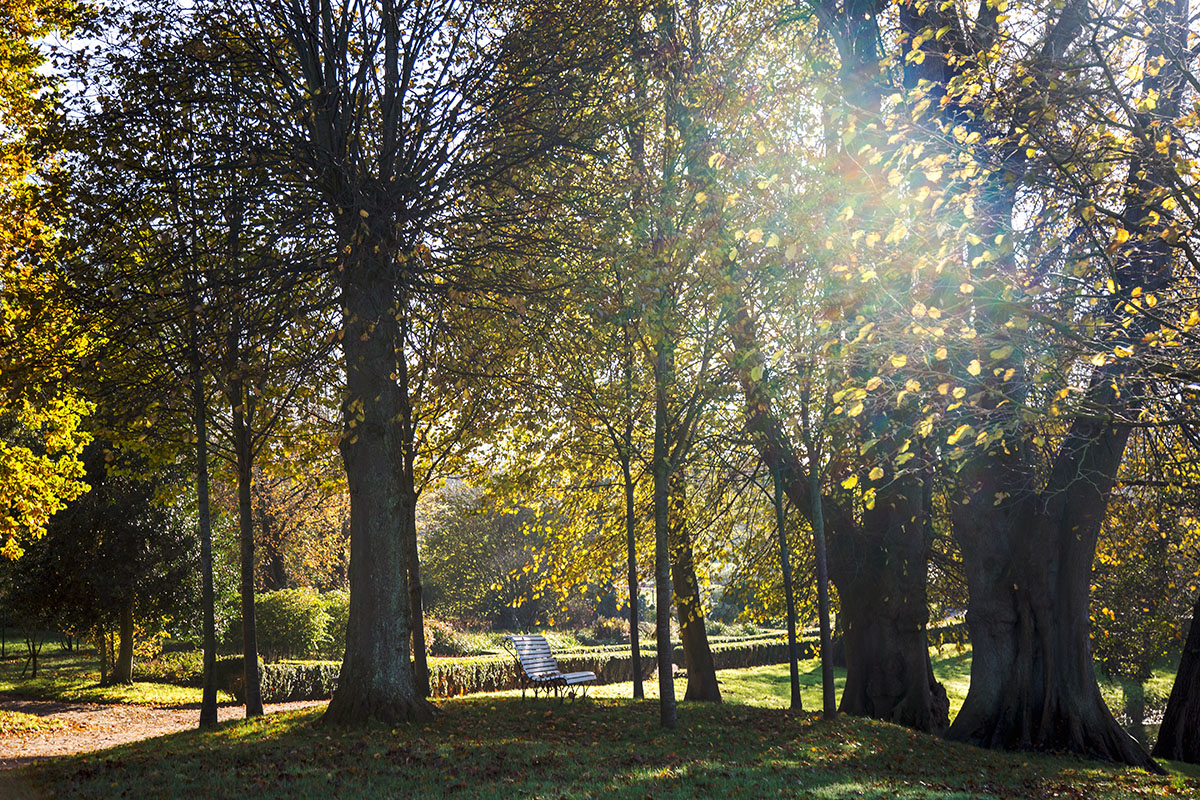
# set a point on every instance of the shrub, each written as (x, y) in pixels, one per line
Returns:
(286, 682)
(442, 639)
(182, 668)
(337, 607)
(292, 623)
(230, 676)
(611, 629)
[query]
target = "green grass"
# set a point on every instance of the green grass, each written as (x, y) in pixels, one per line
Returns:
(75, 677)
(499, 746)
(489, 746)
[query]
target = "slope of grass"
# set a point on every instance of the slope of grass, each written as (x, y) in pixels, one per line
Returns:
(502, 747)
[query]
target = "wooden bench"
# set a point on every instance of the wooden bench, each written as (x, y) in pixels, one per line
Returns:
(539, 670)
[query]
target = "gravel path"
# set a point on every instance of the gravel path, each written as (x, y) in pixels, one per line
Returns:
(93, 726)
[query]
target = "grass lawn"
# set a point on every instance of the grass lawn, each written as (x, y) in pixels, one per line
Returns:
(74, 677)
(500, 746)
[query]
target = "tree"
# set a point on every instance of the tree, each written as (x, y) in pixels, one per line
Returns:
(404, 110)
(120, 553)
(41, 338)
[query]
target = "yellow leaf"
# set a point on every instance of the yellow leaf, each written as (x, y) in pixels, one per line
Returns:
(874, 383)
(850, 482)
(876, 474)
(1122, 236)
(940, 354)
(959, 433)
(974, 367)
(899, 360)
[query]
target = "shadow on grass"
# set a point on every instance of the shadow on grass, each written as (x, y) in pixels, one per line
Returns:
(488, 747)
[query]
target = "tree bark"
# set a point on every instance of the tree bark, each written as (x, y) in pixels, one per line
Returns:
(661, 469)
(1028, 565)
(416, 602)
(1179, 736)
(785, 565)
(208, 702)
(122, 671)
(639, 691)
(888, 672)
(828, 693)
(245, 459)
(689, 606)
(880, 568)
(376, 680)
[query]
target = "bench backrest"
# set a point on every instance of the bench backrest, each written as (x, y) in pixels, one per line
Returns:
(533, 651)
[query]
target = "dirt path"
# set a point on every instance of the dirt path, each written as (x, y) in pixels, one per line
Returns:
(93, 726)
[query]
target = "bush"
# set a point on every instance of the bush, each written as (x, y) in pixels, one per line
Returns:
(442, 639)
(611, 629)
(184, 668)
(337, 608)
(292, 623)
(230, 676)
(286, 682)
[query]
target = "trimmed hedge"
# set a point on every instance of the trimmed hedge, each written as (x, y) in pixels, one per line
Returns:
(448, 677)
(229, 675)
(312, 680)
(756, 653)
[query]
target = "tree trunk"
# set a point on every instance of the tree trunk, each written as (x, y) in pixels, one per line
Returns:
(632, 573)
(880, 569)
(828, 690)
(122, 672)
(275, 572)
(376, 680)
(416, 602)
(785, 565)
(689, 606)
(1179, 736)
(888, 672)
(661, 469)
(245, 458)
(1028, 565)
(102, 649)
(208, 702)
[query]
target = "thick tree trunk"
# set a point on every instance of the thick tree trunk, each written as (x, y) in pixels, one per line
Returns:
(880, 569)
(689, 606)
(1028, 564)
(888, 672)
(122, 671)
(1179, 736)
(376, 680)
